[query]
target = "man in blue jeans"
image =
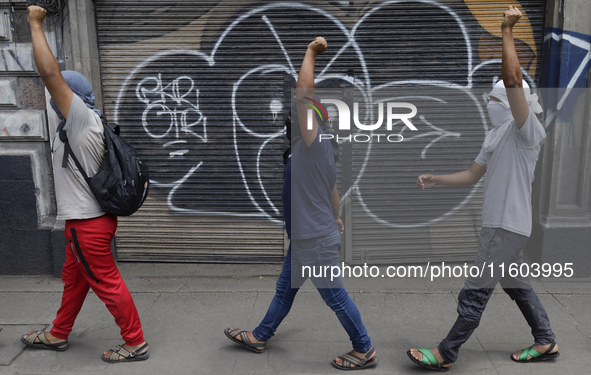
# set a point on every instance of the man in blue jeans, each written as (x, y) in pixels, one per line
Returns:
(314, 228)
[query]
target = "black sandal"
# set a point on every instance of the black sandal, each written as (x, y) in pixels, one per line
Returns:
(535, 355)
(352, 362)
(43, 342)
(120, 354)
(233, 333)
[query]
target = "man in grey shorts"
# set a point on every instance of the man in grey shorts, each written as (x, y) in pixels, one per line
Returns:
(508, 156)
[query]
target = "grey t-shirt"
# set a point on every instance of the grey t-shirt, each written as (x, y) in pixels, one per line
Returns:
(509, 176)
(86, 136)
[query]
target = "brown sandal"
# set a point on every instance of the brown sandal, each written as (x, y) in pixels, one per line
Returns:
(352, 362)
(120, 354)
(233, 333)
(43, 342)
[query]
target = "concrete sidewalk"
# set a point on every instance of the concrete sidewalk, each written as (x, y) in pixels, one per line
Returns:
(184, 309)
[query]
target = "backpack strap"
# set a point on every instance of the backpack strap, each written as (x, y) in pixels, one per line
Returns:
(113, 126)
(68, 152)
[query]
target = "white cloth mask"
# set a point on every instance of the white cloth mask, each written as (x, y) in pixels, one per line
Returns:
(500, 114)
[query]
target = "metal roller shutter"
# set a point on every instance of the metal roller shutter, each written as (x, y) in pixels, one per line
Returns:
(199, 89)
(453, 49)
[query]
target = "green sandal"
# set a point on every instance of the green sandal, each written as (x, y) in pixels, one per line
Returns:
(429, 361)
(535, 355)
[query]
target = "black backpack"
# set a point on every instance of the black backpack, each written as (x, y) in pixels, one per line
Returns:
(122, 181)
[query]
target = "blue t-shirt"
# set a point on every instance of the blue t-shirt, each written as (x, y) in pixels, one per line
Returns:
(313, 178)
(287, 196)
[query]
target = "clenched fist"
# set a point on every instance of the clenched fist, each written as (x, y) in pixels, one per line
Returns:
(425, 181)
(340, 225)
(512, 15)
(318, 45)
(36, 14)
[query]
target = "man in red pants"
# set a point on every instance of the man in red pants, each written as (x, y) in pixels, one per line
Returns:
(89, 231)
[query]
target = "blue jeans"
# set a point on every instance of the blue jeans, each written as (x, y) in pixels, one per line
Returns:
(315, 252)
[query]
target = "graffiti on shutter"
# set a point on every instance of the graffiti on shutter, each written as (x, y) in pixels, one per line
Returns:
(199, 89)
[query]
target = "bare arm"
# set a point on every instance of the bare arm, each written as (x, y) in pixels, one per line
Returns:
(511, 69)
(305, 88)
(336, 209)
(463, 178)
(48, 68)
(336, 203)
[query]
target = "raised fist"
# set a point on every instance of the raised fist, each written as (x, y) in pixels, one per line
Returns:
(36, 14)
(512, 15)
(318, 45)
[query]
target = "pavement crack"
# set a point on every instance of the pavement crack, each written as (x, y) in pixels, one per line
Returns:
(235, 362)
(153, 303)
(23, 350)
(256, 297)
(577, 324)
(487, 356)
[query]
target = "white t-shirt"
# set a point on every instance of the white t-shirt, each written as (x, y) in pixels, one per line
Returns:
(509, 176)
(85, 132)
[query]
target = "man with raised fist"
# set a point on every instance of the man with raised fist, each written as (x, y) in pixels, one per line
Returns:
(315, 231)
(508, 157)
(89, 230)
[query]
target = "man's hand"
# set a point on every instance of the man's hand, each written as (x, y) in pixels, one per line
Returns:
(318, 45)
(512, 15)
(511, 69)
(425, 181)
(305, 88)
(340, 224)
(36, 14)
(47, 66)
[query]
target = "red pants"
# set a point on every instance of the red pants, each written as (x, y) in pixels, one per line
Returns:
(90, 264)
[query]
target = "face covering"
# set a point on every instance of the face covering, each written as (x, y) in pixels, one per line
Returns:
(499, 112)
(79, 86)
